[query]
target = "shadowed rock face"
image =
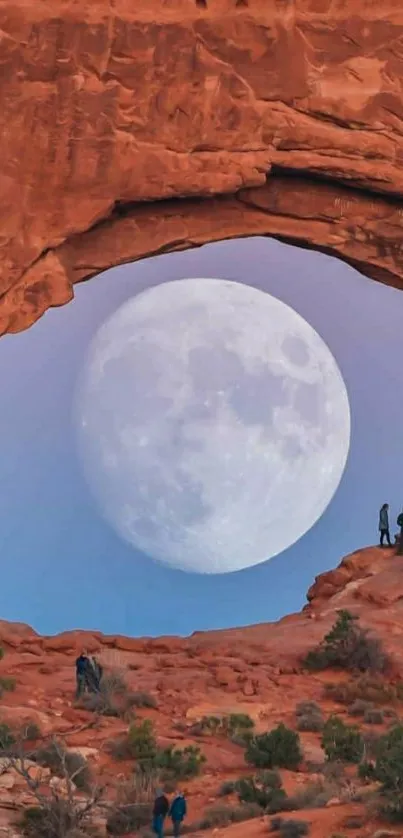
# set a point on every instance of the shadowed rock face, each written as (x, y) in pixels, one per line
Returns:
(134, 128)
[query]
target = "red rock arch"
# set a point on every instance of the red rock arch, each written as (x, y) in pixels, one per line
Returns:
(133, 127)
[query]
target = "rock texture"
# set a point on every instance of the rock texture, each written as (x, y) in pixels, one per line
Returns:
(255, 670)
(134, 128)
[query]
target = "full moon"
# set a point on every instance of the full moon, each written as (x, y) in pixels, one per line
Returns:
(213, 424)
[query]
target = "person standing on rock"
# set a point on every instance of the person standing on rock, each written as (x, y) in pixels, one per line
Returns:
(82, 666)
(160, 811)
(384, 525)
(177, 812)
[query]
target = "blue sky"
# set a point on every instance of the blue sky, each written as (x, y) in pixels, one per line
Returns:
(64, 567)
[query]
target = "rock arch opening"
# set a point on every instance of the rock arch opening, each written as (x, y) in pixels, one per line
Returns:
(154, 130)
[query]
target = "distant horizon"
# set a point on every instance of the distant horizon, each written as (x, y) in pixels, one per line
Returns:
(78, 630)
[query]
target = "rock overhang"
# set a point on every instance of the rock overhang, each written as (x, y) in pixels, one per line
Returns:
(130, 130)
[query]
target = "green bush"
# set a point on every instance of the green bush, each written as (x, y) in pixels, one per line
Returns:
(280, 748)
(342, 742)
(139, 743)
(265, 790)
(348, 646)
(289, 828)
(130, 818)
(221, 815)
(176, 764)
(388, 768)
(226, 788)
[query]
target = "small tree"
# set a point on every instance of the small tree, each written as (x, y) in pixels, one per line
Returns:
(342, 742)
(57, 813)
(265, 789)
(176, 764)
(348, 646)
(280, 748)
(139, 744)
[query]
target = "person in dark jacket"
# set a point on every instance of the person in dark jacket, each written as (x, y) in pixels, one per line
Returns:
(384, 525)
(82, 664)
(160, 811)
(177, 812)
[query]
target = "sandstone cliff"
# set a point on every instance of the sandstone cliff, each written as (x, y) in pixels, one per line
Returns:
(255, 670)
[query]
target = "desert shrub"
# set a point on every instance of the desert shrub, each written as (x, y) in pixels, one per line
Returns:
(342, 742)
(391, 806)
(221, 815)
(207, 724)
(280, 748)
(388, 768)
(313, 795)
(264, 789)
(113, 697)
(353, 822)
(359, 707)
(58, 819)
(128, 818)
(289, 828)
(7, 685)
(373, 716)
(30, 732)
(99, 703)
(307, 708)
(7, 737)
(309, 716)
(370, 688)
(61, 762)
(174, 763)
(348, 646)
(142, 699)
(237, 726)
(227, 787)
(1, 653)
(139, 743)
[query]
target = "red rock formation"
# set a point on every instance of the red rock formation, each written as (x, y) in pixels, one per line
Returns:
(255, 670)
(134, 128)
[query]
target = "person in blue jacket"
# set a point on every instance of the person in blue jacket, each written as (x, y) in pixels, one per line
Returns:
(177, 812)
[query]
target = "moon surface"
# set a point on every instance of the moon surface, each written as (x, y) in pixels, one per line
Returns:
(213, 424)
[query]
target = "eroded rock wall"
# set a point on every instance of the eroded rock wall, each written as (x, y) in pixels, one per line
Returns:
(129, 128)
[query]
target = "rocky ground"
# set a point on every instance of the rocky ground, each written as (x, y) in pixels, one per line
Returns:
(255, 670)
